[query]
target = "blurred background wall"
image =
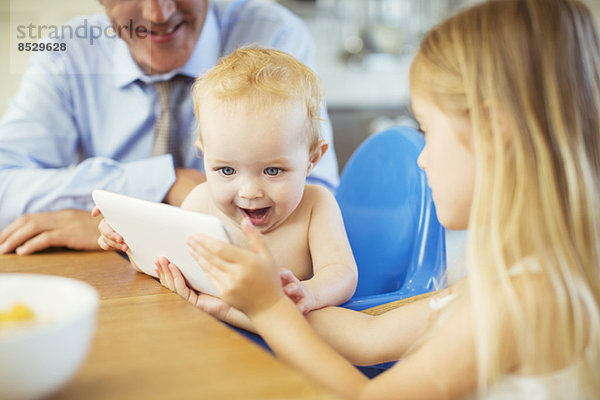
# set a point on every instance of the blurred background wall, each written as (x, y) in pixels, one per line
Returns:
(363, 49)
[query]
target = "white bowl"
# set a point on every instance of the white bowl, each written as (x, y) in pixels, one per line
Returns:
(39, 357)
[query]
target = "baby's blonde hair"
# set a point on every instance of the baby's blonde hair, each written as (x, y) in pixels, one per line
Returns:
(263, 78)
(526, 73)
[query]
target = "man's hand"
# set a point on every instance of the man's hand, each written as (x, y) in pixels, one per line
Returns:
(75, 229)
(186, 179)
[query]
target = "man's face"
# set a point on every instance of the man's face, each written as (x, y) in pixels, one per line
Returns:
(164, 31)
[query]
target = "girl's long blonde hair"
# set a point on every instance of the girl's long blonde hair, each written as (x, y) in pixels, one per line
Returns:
(527, 75)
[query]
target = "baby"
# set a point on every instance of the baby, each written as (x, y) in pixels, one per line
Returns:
(259, 132)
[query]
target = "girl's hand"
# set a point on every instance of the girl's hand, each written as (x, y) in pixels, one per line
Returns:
(246, 279)
(171, 278)
(297, 291)
(109, 239)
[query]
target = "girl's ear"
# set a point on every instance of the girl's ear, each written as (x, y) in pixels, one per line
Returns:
(316, 153)
(498, 118)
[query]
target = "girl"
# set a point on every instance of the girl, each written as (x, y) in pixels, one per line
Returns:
(508, 96)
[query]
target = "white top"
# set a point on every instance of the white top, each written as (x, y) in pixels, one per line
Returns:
(437, 303)
(561, 384)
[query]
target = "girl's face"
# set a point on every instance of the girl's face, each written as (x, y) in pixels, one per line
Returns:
(448, 161)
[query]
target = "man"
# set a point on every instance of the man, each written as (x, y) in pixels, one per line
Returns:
(87, 117)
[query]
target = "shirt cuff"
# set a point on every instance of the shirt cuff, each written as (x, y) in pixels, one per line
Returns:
(151, 178)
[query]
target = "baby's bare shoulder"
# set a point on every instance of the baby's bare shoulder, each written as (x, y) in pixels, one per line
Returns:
(320, 204)
(197, 199)
(315, 194)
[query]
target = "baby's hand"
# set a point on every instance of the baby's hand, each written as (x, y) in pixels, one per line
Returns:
(109, 239)
(297, 291)
(171, 278)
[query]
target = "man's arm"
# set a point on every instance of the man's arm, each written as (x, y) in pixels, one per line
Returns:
(73, 228)
(43, 137)
(49, 158)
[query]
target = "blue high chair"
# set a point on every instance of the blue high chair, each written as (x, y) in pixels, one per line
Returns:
(390, 219)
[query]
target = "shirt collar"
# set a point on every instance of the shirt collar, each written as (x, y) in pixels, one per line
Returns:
(207, 50)
(205, 55)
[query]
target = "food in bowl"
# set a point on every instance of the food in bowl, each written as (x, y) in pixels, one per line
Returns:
(19, 313)
(40, 353)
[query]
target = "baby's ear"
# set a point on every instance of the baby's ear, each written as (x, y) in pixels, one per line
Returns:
(316, 153)
(199, 145)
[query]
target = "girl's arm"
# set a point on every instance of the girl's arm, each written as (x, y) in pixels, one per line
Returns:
(364, 339)
(361, 338)
(443, 367)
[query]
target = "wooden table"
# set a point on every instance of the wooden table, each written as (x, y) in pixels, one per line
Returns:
(151, 344)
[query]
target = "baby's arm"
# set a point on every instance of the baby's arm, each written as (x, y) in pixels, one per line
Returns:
(335, 274)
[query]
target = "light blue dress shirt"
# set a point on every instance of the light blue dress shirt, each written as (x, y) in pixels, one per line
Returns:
(84, 118)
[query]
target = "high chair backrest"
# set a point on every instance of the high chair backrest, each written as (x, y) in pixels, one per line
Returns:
(390, 218)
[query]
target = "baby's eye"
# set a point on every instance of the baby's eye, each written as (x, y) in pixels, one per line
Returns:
(226, 171)
(273, 171)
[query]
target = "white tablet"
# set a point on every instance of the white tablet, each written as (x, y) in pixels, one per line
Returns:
(153, 229)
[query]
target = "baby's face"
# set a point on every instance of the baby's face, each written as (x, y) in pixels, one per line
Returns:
(256, 161)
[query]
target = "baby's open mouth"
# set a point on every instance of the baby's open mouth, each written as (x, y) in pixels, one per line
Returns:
(257, 216)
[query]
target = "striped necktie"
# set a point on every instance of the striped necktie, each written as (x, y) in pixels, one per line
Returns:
(163, 137)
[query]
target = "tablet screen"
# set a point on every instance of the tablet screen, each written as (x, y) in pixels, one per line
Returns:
(153, 229)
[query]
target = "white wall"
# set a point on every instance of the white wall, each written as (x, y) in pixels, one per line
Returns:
(54, 12)
(41, 12)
